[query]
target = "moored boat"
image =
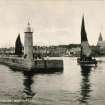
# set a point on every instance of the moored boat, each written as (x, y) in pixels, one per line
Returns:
(86, 58)
(92, 62)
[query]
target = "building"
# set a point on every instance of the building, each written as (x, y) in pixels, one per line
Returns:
(101, 44)
(53, 51)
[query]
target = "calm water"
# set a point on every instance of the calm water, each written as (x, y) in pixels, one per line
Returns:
(71, 87)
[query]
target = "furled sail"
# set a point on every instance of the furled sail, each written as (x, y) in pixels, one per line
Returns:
(85, 49)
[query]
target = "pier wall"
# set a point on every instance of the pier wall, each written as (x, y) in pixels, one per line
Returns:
(35, 65)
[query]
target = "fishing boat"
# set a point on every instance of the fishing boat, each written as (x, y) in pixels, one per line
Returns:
(86, 58)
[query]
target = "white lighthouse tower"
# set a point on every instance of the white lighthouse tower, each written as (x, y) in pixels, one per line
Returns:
(28, 43)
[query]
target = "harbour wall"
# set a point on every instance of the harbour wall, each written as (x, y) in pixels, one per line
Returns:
(40, 65)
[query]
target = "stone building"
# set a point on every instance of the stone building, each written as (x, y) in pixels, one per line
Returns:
(101, 44)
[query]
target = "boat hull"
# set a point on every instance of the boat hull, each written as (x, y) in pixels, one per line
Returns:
(89, 63)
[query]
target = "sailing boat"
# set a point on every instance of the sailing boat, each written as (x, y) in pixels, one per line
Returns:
(85, 58)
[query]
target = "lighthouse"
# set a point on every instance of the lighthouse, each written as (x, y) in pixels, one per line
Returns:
(28, 43)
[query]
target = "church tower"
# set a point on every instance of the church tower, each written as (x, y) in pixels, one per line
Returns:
(100, 37)
(28, 43)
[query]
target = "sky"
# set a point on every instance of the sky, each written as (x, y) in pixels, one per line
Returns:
(53, 22)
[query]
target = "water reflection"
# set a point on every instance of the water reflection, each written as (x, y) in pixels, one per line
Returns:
(28, 81)
(85, 84)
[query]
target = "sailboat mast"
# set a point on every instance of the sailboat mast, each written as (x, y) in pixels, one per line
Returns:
(83, 31)
(83, 35)
(85, 49)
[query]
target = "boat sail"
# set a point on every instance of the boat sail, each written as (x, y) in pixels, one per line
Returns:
(85, 49)
(85, 56)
